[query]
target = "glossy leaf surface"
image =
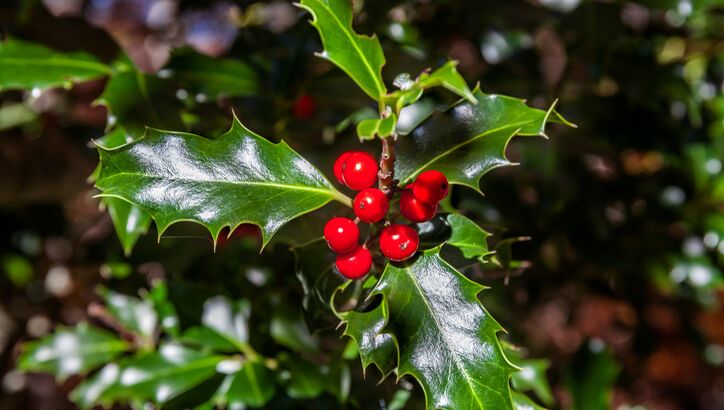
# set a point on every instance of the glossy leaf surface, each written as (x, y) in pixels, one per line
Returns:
(359, 56)
(374, 346)
(446, 339)
(24, 65)
(314, 267)
(468, 140)
(70, 351)
(467, 236)
(227, 181)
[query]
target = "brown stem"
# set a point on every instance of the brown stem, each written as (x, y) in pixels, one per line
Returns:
(387, 166)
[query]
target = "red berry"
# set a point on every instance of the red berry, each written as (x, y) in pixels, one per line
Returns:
(430, 186)
(342, 234)
(304, 107)
(355, 263)
(398, 242)
(371, 205)
(415, 210)
(338, 166)
(359, 170)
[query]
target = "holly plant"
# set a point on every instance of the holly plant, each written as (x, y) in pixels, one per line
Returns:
(394, 290)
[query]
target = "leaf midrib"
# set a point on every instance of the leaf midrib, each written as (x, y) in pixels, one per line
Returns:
(214, 181)
(173, 370)
(348, 34)
(96, 348)
(439, 328)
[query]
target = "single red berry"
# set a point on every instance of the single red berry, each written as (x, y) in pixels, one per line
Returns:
(399, 242)
(304, 107)
(355, 263)
(342, 234)
(430, 186)
(359, 170)
(338, 166)
(415, 210)
(371, 205)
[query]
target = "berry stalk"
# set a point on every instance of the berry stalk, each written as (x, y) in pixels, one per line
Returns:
(387, 166)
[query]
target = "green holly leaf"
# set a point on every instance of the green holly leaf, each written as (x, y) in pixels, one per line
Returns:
(236, 178)
(129, 222)
(290, 330)
(314, 267)
(228, 320)
(468, 140)
(253, 385)
(359, 56)
(448, 77)
(523, 402)
(26, 65)
(378, 127)
(212, 77)
(467, 236)
(446, 338)
(136, 100)
(90, 391)
(162, 375)
(203, 337)
(70, 351)
(591, 380)
(306, 380)
(135, 315)
(374, 346)
(531, 377)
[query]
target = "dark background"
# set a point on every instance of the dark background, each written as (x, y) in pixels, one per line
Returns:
(623, 271)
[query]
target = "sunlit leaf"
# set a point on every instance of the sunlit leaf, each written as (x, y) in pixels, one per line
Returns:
(217, 183)
(27, 65)
(129, 221)
(448, 77)
(71, 350)
(467, 236)
(359, 56)
(446, 339)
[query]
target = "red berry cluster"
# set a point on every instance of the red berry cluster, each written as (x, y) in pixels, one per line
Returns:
(418, 203)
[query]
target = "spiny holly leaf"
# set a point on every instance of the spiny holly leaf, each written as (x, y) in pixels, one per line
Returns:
(136, 100)
(252, 385)
(359, 56)
(446, 339)
(129, 222)
(212, 77)
(467, 236)
(375, 347)
(70, 351)
(448, 77)
(236, 178)
(370, 128)
(531, 376)
(161, 375)
(26, 65)
(468, 140)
